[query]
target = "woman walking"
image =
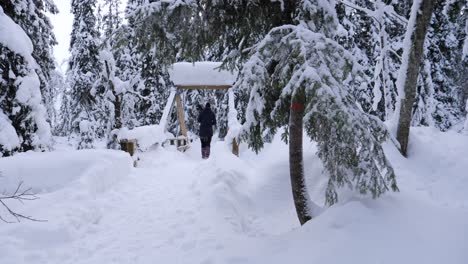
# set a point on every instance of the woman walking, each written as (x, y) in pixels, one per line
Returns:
(207, 120)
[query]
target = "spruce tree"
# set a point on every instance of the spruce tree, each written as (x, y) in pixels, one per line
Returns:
(109, 86)
(31, 16)
(148, 75)
(127, 62)
(82, 73)
(23, 124)
(299, 76)
(373, 33)
(439, 101)
(53, 95)
(111, 19)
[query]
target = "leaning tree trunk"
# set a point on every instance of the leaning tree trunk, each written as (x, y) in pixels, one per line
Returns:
(296, 163)
(418, 36)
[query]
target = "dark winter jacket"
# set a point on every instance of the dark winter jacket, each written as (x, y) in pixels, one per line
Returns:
(207, 120)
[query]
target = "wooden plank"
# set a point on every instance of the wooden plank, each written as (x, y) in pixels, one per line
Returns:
(204, 87)
(180, 115)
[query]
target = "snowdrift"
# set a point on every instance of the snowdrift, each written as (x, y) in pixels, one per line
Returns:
(96, 170)
(177, 208)
(426, 222)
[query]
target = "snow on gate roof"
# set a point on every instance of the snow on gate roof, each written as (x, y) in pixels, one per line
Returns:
(201, 75)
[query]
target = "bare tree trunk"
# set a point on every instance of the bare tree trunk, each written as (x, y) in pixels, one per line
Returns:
(296, 163)
(418, 36)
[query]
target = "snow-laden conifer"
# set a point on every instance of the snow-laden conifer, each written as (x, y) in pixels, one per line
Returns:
(304, 61)
(438, 98)
(32, 17)
(53, 96)
(82, 72)
(23, 124)
(372, 32)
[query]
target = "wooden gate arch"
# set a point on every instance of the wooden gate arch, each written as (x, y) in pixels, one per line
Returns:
(205, 75)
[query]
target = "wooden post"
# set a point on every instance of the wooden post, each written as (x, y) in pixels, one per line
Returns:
(232, 121)
(167, 109)
(180, 115)
(235, 147)
(128, 145)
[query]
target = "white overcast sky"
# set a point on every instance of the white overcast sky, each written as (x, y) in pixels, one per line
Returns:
(62, 28)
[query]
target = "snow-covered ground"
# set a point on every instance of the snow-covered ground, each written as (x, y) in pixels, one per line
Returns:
(176, 208)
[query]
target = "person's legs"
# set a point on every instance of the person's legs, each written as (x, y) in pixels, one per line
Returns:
(203, 147)
(208, 147)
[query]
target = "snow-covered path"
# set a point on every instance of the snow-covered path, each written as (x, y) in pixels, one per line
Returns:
(172, 207)
(161, 213)
(176, 208)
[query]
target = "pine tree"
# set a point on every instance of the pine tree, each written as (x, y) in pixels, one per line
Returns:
(439, 101)
(23, 124)
(298, 75)
(82, 73)
(112, 19)
(127, 62)
(148, 77)
(56, 88)
(31, 16)
(373, 33)
(64, 117)
(111, 88)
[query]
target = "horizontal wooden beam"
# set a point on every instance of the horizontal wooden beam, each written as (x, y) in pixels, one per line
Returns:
(204, 87)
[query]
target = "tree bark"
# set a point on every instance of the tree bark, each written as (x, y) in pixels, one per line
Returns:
(117, 102)
(418, 36)
(296, 163)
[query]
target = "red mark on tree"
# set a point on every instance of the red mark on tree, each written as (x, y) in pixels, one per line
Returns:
(297, 106)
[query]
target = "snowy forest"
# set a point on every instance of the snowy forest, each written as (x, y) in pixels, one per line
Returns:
(120, 60)
(348, 94)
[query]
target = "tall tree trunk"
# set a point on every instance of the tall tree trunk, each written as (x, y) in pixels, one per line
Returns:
(117, 110)
(418, 36)
(117, 101)
(113, 142)
(296, 163)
